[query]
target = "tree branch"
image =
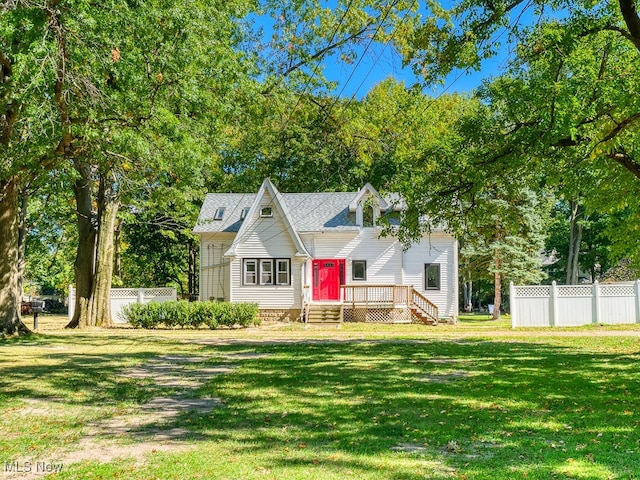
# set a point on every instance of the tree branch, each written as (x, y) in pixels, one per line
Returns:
(315, 56)
(631, 19)
(628, 162)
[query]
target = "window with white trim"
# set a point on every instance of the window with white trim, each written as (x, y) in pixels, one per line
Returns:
(359, 270)
(368, 216)
(250, 271)
(432, 276)
(219, 213)
(266, 211)
(266, 271)
(283, 276)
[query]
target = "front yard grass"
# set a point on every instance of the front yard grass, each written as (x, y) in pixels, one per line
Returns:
(424, 403)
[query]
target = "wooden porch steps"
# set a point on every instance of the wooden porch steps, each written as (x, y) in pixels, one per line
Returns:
(423, 317)
(324, 314)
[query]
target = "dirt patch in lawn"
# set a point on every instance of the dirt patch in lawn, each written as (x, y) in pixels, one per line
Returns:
(135, 433)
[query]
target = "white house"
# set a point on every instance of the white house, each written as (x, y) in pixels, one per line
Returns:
(320, 257)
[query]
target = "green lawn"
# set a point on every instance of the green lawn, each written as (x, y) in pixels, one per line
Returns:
(408, 402)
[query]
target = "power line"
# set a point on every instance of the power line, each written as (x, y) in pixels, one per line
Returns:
(415, 118)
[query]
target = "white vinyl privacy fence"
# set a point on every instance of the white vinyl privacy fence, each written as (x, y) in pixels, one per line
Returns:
(125, 296)
(574, 305)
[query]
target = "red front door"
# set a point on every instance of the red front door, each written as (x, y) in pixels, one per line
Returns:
(328, 275)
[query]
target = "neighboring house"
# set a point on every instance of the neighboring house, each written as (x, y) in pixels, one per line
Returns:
(320, 257)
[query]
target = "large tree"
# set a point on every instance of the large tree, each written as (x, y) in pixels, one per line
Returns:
(31, 134)
(569, 93)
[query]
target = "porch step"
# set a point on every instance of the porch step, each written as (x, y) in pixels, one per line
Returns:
(422, 317)
(324, 314)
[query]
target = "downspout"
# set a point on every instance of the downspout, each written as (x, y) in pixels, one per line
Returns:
(456, 286)
(402, 255)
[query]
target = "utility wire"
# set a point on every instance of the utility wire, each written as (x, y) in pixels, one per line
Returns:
(415, 118)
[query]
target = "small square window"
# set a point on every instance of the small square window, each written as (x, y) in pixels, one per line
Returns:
(432, 276)
(266, 211)
(359, 270)
(219, 213)
(244, 213)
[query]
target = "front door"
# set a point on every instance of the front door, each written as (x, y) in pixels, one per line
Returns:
(328, 275)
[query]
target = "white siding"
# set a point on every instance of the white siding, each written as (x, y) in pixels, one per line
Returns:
(214, 266)
(267, 238)
(440, 249)
(383, 255)
(386, 263)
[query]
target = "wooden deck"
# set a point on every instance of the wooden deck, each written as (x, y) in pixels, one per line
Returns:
(376, 303)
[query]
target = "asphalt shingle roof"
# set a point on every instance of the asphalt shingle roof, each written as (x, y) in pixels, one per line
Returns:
(309, 212)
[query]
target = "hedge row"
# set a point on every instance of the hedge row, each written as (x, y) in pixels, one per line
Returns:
(191, 314)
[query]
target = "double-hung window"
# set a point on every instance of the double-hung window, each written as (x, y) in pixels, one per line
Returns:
(266, 271)
(250, 271)
(283, 277)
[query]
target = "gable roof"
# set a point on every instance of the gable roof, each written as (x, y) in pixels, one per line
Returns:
(367, 190)
(305, 212)
(281, 208)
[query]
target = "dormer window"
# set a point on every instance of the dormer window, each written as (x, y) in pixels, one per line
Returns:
(244, 213)
(367, 215)
(219, 213)
(266, 211)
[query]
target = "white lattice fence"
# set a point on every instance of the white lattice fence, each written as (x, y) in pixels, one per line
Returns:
(574, 305)
(125, 296)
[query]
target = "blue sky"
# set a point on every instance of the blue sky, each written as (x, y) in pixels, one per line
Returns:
(381, 62)
(375, 67)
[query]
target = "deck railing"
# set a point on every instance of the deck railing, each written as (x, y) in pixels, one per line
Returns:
(428, 309)
(380, 295)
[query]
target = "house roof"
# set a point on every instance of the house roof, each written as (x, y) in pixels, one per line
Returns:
(306, 212)
(268, 190)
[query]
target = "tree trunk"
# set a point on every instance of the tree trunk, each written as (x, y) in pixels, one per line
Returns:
(575, 239)
(192, 268)
(108, 204)
(10, 322)
(497, 292)
(117, 242)
(22, 239)
(84, 266)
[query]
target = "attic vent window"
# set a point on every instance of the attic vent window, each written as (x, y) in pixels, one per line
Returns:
(244, 212)
(219, 213)
(266, 211)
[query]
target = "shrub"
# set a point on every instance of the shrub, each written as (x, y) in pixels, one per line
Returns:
(175, 313)
(203, 313)
(195, 314)
(142, 315)
(246, 314)
(224, 314)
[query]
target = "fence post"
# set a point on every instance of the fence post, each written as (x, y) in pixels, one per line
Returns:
(512, 304)
(141, 295)
(636, 292)
(72, 302)
(596, 302)
(553, 313)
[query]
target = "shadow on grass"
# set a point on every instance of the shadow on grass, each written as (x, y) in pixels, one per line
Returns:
(385, 409)
(490, 409)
